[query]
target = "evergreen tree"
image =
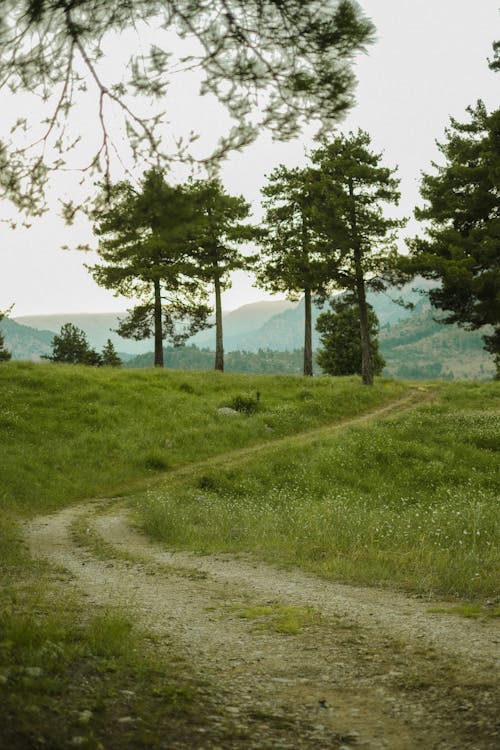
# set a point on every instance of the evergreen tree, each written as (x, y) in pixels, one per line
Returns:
(461, 248)
(339, 328)
(5, 355)
(109, 357)
(147, 242)
(291, 260)
(70, 345)
(217, 253)
(352, 190)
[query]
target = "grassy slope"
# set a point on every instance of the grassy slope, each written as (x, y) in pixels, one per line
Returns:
(411, 501)
(392, 498)
(70, 432)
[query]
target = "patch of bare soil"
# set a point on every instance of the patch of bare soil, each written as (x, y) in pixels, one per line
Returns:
(371, 669)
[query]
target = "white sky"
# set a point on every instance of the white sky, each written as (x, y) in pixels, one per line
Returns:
(429, 62)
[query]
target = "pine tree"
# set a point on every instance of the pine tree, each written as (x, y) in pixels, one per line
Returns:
(147, 245)
(109, 357)
(461, 248)
(291, 261)
(70, 345)
(339, 328)
(353, 189)
(217, 239)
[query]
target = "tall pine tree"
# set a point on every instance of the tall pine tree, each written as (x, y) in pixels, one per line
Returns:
(461, 246)
(219, 234)
(147, 244)
(353, 190)
(291, 261)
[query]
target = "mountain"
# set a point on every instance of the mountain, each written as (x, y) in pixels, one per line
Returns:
(271, 333)
(420, 347)
(285, 331)
(25, 342)
(101, 326)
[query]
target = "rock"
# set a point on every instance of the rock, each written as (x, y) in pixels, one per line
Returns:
(226, 411)
(85, 716)
(125, 720)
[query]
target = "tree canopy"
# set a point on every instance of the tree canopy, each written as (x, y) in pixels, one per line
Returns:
(147, 245)
(291, 260)
(273, 63)
(353, 192)
(461, 246)
(341, 344)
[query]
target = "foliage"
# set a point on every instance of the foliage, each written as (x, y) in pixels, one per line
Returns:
(70, 345)
(292, 260)
(5, 355)
(147, 245)
(353, 188)
(273, 64)
(109, 357)
(339, 329)
(462, 209)
(408, 502)
(245, 402)
(217, 253)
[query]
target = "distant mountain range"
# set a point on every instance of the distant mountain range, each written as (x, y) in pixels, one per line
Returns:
(413, 344)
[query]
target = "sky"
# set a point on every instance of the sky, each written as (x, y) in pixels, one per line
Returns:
(429, 61)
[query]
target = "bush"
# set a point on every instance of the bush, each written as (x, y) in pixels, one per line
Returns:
(245, 403)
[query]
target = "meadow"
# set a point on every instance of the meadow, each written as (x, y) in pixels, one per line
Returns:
(409, 501)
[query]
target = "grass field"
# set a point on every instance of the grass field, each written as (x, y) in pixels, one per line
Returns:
(409, 501)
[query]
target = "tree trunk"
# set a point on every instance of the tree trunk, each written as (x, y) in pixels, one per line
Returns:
(308, 363)
(366, 353)
(158, 326)
(219, 344)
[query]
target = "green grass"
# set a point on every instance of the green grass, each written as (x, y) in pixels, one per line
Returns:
(71, 432)
(410, 501)
(277, 618)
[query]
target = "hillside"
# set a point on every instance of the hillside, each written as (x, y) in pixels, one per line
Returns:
(174, 575)
(267, 337)
(24, 341)
(420, 347)
(101, 326)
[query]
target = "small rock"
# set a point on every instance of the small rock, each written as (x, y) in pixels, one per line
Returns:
(125, 720)
(85, 716)
(226, 411)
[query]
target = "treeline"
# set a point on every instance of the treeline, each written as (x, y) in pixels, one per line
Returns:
(262, 362)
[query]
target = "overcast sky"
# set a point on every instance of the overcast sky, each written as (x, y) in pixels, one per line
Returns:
(429, 62)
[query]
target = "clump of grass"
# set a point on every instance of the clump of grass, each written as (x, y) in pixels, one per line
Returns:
(408, 502)
(277, 618)
(245, 402)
